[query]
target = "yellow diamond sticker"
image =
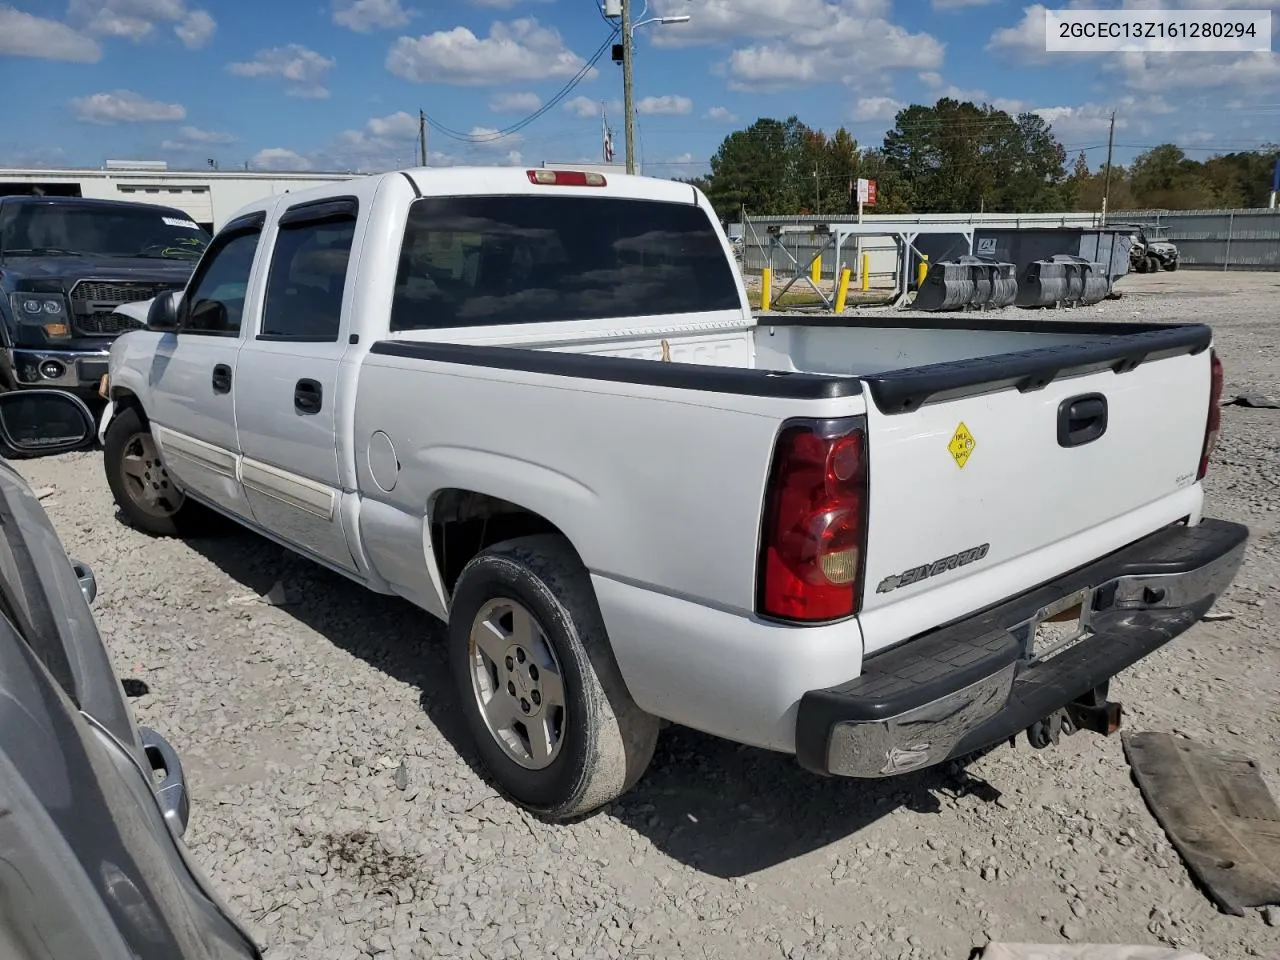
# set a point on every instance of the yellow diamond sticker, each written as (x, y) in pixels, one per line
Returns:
(961, 445)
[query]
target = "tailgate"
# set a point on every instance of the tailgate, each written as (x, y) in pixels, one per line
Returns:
(974, 499)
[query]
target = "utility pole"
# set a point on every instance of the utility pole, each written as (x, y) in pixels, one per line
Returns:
(422, 137)
(1106, 179)
(628, 104)
(817, 192)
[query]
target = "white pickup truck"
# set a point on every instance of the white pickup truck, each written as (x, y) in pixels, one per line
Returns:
(537, 405)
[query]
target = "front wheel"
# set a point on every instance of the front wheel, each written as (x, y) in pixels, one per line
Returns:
(140, 484)
(539, 687)
(1171, 265)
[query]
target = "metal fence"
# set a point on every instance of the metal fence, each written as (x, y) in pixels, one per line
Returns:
(1221, 239)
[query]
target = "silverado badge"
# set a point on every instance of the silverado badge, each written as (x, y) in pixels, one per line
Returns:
(916, 574)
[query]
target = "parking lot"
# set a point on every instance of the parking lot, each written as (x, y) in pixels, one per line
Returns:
(336, 804)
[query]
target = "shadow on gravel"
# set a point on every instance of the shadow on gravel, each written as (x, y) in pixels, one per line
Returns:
(719, 807)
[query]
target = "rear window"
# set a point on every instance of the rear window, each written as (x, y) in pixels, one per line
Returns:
(469, 261)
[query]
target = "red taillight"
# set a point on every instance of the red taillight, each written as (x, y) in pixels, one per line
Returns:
(566, 178)
(814, 522)
(1213, 423)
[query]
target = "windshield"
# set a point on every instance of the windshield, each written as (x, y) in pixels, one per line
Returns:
(93, 230)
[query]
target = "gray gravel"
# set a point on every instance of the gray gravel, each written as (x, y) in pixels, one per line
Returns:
(336, 805)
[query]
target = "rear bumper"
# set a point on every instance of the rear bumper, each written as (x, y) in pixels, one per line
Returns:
(974, 683)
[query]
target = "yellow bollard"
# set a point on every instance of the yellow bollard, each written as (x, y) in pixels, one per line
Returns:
(866, 272)
(922, 270)
(842, 291)
(766, 288)
(815, 270)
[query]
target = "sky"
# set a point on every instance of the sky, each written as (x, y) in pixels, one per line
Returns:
(337, 84)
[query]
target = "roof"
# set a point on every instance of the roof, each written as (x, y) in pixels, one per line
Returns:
(26, 200)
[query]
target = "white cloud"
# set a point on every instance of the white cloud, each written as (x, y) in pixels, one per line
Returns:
(125, 106)
(489, 138)
(399, 124)
(300, 67)
(1009, 105)
(583, 107)
(196, 30)
(720, 115)
(1257, 73)
(365, 16)
(876, 108)
(515, 103)
(24, 35)
(136, 20)
(931, 78)
(1093, 119)
(196, 135)
(1025, 40)
(770, 68)
(796, 42)
(278, 158)
(670, 105)
(515, 51)
(514, 158)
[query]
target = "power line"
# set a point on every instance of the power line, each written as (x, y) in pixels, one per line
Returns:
(541, 111)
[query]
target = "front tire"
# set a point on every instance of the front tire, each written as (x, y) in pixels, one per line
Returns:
(538, 684)
(140, 484)
(1153, 265)
(1171, 265)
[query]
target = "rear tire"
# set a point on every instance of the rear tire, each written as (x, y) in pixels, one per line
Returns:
(536, 679)
(140, 484)
(1153, 265)
(1141, 265)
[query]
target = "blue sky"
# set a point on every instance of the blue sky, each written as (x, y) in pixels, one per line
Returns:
(336, 84)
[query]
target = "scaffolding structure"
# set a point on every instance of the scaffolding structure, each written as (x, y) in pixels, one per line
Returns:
(836, 234)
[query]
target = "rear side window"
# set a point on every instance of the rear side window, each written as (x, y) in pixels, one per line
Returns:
(496, 260)
(308, 276)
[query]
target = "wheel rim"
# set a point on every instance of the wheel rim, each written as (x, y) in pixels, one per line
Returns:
(146, 481)
(518, 684)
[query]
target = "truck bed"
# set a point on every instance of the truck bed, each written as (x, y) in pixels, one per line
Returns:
(1030, 502)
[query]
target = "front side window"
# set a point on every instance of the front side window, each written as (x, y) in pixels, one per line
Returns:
(214, 305)
(307, 279)
(521, 259)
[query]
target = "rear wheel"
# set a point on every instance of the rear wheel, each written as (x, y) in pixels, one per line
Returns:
(1153, 265)
(1141, 265)
(140, 484)
(538, 684)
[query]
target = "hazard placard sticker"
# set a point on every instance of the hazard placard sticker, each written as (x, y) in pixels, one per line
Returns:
(961, 445)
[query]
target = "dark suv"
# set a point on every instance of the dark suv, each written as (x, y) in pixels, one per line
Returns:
(65, 265)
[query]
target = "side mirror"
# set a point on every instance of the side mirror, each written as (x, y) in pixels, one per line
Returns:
(39, 423)
(162, 317)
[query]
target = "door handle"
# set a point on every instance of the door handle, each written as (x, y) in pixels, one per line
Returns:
(221, 378)
(1081, 419)
(308, 396)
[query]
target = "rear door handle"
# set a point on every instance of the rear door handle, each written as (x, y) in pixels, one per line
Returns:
(308, 396)
(221, 378)
(1081, 419)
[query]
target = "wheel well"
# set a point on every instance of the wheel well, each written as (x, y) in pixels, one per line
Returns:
(464, 522)
(127, 399)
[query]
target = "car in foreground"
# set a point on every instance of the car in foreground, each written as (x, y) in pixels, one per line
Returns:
(537, 404)
(92, 806)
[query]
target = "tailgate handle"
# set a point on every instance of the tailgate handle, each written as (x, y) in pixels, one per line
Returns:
(1081, 419)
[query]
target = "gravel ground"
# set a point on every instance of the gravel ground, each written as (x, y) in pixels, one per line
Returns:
(336, 803)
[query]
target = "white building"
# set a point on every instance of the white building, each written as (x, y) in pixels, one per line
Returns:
(209, 197)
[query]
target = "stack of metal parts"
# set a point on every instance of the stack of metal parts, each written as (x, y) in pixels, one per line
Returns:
(967, 283)
(1063, 280)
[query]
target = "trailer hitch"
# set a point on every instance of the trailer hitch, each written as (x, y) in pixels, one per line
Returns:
(1092, 712)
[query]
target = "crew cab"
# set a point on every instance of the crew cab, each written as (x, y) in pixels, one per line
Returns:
(537, 405)
(66, 263)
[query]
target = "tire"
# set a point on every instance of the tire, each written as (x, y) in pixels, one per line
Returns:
(1141, 265)
(128, 447)
(1171, 265)
(595, 742)
(1153, 265)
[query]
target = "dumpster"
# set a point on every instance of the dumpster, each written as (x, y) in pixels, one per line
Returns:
(1023, 246)
(967, 283)
(1062, 280)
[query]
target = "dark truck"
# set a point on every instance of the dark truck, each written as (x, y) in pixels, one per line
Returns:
(65, 265)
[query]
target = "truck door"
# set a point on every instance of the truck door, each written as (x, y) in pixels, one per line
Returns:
(288, 381)
(194, 377)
